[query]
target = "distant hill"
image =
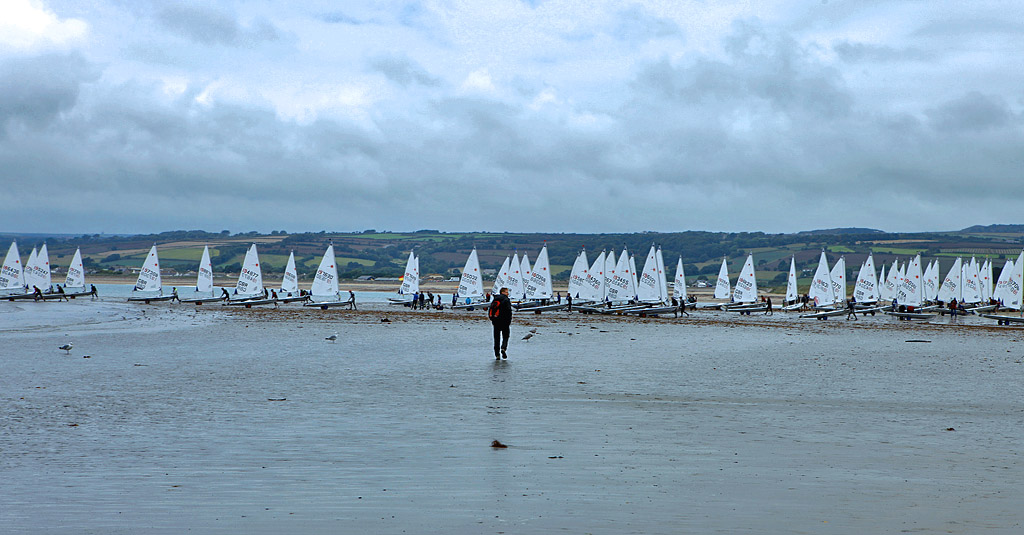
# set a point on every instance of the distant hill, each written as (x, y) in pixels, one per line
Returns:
(842, 231)
(1008, 229)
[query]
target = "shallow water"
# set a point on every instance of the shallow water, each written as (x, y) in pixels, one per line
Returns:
(715, 423)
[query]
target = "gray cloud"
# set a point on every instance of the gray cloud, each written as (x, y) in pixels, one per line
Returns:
(36, 90)
(972, 112)
(862, 52)
(210, 26)
(402, 70)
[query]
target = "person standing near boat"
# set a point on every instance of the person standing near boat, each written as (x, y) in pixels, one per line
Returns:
(500, 313)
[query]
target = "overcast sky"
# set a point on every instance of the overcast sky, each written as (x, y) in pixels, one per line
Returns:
(560, 116)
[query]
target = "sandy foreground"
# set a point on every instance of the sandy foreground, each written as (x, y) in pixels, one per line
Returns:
(214, 420)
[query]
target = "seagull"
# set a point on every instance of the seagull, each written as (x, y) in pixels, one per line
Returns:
(67, 347)
(528, 336)
(533, 330)
(332, 337)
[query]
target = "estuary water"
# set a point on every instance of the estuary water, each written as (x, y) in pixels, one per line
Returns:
(168, 418)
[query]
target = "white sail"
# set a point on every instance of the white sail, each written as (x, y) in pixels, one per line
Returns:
(662, 277)
(881, 286)
(632, 275)
(986, 280)
(999, 292)
(250, 279)
(290, 280)
(609, 272)
(746, 283)
(1013, 287)
(595, 279)
(325, 283)
(471, 284)
(501, 278)
(648, 288)
(76, 272)
(204, 275)
(538, 285)
(930, 281)
(821, 292)
(972, 286)
(911, 293)
(865, 290)
(838, 276)
(525, 272)
(149, 278)
(723, 289)
(12, 274)
(516, 289)
(578, 276)
(792, 292)
(892, 281)
(411, 277)
(43, 268)
(951, 285)
(679, 286)
(620, 287)
(31, 277)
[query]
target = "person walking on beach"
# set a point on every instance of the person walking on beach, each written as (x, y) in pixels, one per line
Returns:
(768, 304)
(851, 308)
(500, 313)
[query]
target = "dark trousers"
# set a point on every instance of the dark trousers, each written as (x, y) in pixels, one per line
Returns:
(500, 337)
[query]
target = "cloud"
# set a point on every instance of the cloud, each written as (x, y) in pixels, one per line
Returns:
(211, 26)
(972, 112)
(862, 52)
(402, 70)
(27, 24)
(37, 90)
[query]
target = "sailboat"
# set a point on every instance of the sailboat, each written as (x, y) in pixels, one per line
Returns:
(865, 289)
(12, 274)
(204, 281)
(578, 276)
(838, 276)
(620, 287)
(652, 288)
(410, 282)
(792, 301)
(471, 284)
(525, 272)
(679, 284)
(149, 286)
(744, 294)
(538, 291)
(289, 291)
(910, 294)
(75, 279)
(594, 285)
(249, 289)
(37, 275)
(324, 293)
(821, 292)
(1008, 291)
(501, 278)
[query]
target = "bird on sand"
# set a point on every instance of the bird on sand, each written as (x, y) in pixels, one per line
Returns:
(67, 347)
(528, 336)
(332, 337)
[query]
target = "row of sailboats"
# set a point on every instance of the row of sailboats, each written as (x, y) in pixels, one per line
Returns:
(33, 280)
(249, 289)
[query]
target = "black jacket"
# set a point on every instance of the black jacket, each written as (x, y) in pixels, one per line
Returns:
(504, 310)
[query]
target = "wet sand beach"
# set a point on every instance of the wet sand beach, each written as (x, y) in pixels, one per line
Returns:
(214, 420)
